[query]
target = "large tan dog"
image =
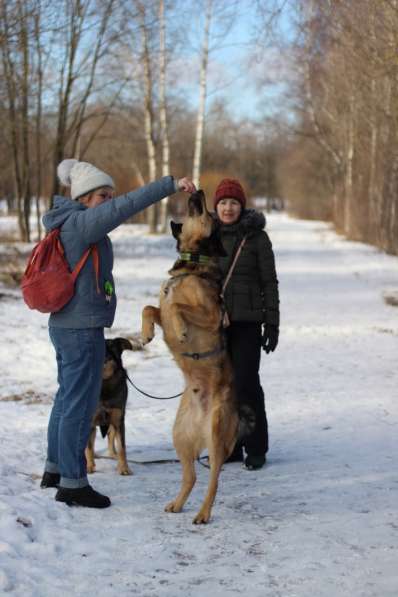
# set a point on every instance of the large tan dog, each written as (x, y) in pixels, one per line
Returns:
(190, 314)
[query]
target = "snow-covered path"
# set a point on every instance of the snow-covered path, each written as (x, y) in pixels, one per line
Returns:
(320, 519)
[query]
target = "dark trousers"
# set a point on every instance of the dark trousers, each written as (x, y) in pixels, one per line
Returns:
(244, 347)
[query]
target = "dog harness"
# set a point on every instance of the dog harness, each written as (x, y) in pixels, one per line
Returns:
(204, 355)
(203, 275)
(195, 258)
(209, 353)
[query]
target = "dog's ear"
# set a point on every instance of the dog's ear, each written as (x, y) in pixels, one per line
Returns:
(175, 229)
(123, 344)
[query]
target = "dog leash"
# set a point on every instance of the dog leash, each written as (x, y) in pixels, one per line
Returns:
(159, 461)
(119, 362)
(150, 395)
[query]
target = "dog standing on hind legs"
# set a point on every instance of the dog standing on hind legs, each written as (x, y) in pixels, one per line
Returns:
(190, 313)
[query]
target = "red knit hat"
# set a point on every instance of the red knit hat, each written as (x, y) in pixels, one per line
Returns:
(232, 189)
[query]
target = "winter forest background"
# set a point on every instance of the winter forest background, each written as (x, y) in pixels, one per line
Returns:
(297, 98)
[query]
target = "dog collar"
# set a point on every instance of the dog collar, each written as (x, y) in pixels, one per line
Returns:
(204, 355)
(195, 258)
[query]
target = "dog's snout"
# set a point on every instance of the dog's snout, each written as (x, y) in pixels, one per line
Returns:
(196, 204)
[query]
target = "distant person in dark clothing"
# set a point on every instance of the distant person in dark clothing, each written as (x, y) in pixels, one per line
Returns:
(252, 303)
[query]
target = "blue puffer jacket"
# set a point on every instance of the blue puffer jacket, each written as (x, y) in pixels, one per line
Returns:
(81, 227)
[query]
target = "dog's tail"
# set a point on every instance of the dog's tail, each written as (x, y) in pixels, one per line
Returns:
(104, 430)
(247, 421)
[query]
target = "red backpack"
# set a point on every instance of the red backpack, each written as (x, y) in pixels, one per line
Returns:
(47, 284)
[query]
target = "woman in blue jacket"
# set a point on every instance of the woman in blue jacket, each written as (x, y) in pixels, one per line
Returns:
(77, 330)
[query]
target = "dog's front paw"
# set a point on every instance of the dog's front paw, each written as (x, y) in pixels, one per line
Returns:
(146, 338)
(147, 324)
(123, 469)
(173, 507)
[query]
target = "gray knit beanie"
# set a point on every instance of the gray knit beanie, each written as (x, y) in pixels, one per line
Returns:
(82, 177)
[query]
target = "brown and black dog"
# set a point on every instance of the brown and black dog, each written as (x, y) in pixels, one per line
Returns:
(190, 313)
(111, 408)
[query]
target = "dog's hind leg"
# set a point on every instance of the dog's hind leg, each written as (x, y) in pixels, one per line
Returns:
(187, 453)
(217, 453)
(150, 316)
(188, 481)
(89, 452)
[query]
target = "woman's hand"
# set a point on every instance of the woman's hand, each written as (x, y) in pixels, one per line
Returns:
(270, 337)
(185, 184)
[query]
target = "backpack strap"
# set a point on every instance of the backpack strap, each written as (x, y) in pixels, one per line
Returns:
(80, 264)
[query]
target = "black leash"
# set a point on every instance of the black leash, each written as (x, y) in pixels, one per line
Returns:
(150, 395)
(118, 360)
(200, 460)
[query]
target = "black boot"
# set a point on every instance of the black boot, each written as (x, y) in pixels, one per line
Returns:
(50, 480)
(82, 496)
(253, 463)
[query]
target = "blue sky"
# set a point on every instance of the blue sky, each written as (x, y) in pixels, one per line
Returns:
(237, 66)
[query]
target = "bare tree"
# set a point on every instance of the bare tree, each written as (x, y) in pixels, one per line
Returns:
(148, 111)
(15, 23)
(39, 113)
(202, 95)
(163, 112)
(348, 96)
(78, 70)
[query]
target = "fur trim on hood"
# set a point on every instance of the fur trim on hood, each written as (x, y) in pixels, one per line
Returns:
(250, 221)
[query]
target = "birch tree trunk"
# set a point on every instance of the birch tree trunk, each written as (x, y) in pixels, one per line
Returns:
(373, 192)
(348, 186)
(373, 196)
(148, 118)
(197, 159)
(163, 113)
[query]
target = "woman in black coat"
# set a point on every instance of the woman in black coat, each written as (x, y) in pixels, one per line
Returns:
(252, 303)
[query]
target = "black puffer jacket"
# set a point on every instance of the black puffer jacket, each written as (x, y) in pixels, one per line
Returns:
(252, 292)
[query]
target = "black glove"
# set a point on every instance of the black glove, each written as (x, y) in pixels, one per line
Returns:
(269, 339)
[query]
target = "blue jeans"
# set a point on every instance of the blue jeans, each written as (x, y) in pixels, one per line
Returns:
(80, 357)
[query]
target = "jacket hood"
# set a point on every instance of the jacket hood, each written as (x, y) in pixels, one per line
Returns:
(62, 209)
(250, 221)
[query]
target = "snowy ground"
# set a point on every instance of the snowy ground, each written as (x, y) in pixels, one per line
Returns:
(320, 519)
